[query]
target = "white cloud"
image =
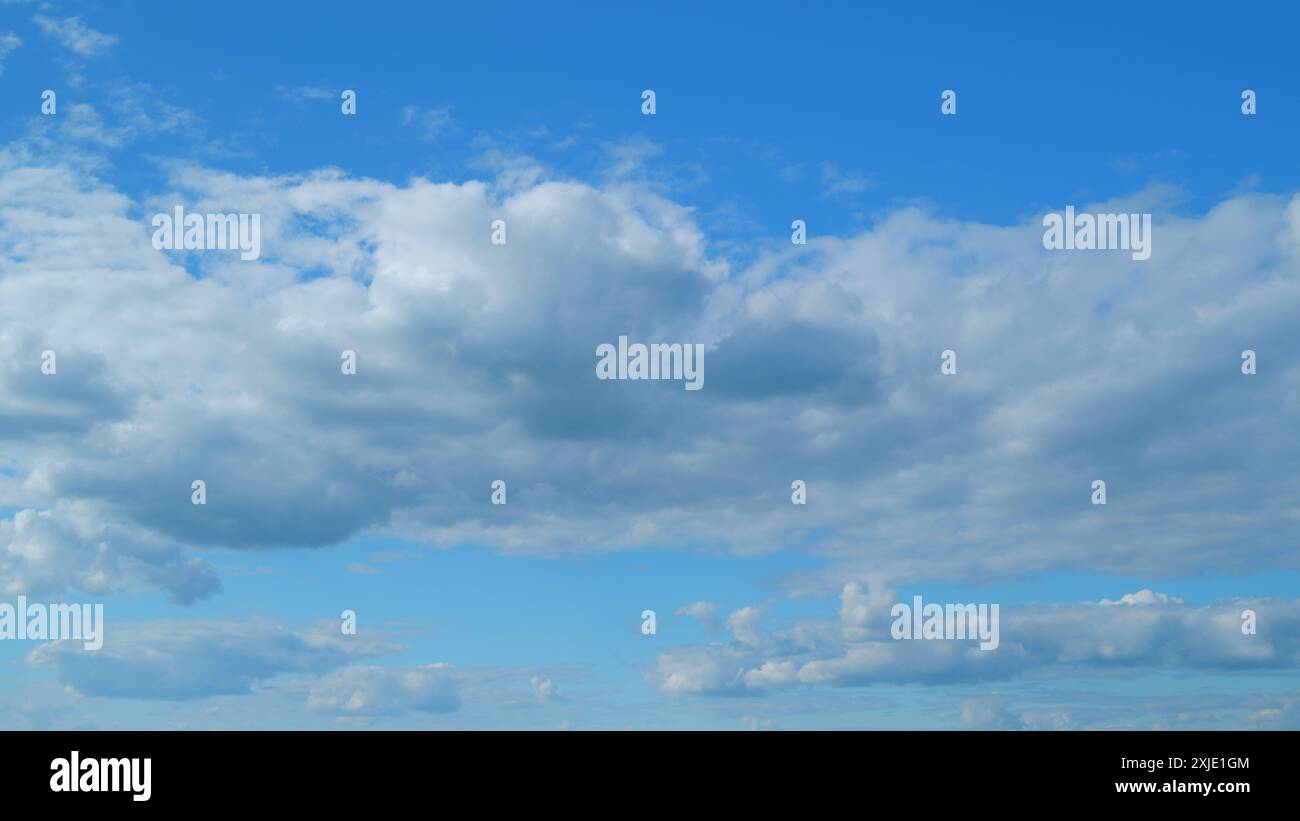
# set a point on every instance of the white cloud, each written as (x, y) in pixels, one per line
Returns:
(70, 548)
(744, 625)
(1165, 634)
(431, 123)
(629, 156)
(698, 670)
(1142, 597)
(475, 356)
(76, 36)
(838, 183)
(706, 613)
(386, 691)
(309, 93)
(543, 688)
(8, 42)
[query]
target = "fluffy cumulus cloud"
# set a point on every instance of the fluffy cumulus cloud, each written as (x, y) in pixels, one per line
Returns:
(477, 362)
(71, 547)
(1147, 632)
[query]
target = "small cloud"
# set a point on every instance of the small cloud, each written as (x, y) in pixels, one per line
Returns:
(1143, 597)
(363, 569)
(76, 36)
(706, 613)
(837, 183)
(543, 688)
(302, 93)
(513, 171)
(432, 123)
(8, 42)
(743, 625)
(629, 156)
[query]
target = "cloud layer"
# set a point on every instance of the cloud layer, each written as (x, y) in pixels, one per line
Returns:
(476, 362)
(1142, 632)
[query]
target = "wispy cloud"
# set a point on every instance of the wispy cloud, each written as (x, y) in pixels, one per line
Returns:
(76, 36)
(838, 183)
(8, 42)
(429, 123)
(303, 93)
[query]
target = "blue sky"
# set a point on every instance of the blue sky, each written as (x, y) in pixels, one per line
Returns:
(371, 492)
